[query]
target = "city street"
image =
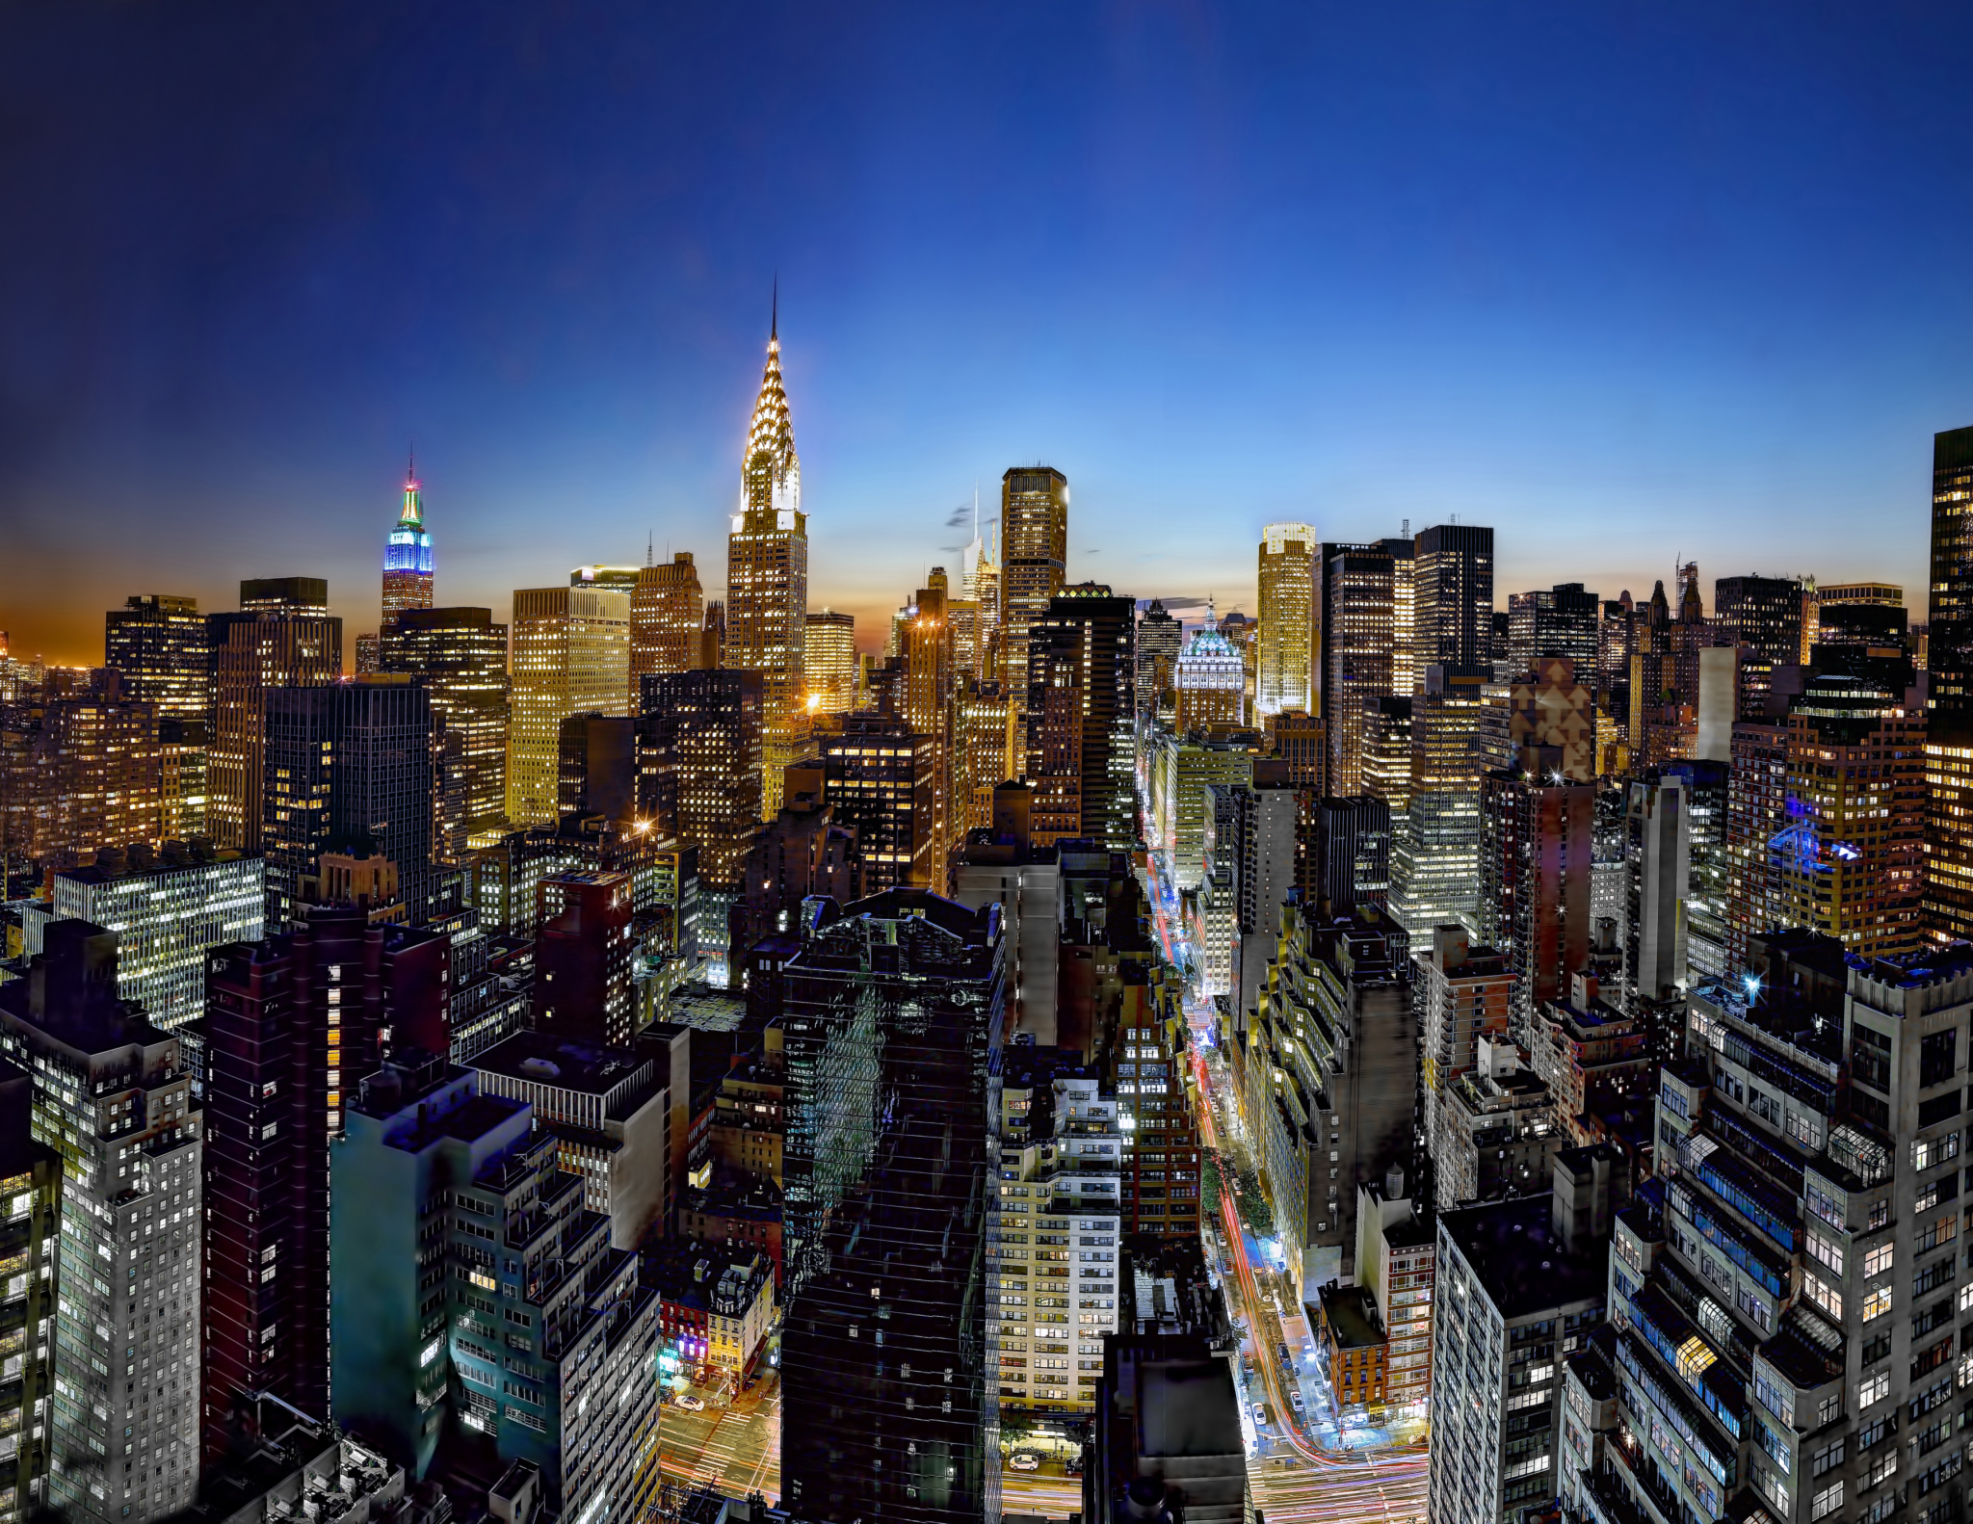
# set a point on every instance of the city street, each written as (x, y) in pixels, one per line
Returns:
(737, 1449)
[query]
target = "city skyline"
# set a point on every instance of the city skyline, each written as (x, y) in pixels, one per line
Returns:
(1703, 305)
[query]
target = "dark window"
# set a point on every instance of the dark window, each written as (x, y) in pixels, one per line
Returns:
(1938, 1108)
(1938, 1057)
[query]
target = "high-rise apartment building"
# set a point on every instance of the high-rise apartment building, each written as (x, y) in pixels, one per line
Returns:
(1464, 995)
(167, 912)
(571, 655)
(283, 637)
(582, 959)
(829, 661)
(1081, 709)
(1285, 668)
(112, 1098)
(1452, 599)
(408, 555)
(162, 651)
(1359, 641)
(30, 1235)
(767, 554)
(1034, 551)
(892, 1027)
(1534, 881)
(98, 773)
(459, 657)
(667, 618)
(348, 768)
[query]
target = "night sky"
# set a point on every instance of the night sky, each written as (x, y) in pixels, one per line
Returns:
(1627, 282)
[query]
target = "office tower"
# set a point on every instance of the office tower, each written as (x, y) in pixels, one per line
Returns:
(162, 651)
(166, 911)
(1299, 745)
(582, 959)
(1081, 709)
(767, 553)
(712, 637)
(597, 770)
(829, 660)
(435, 1187)
(1519, 1284)
(1181, 768)
(1452, 599)
(1159, 639)
(1559, 621)
(1034, 550)
(1765, 616)
(702, 731)
(1059, 1146)
(1464, 993)
(459, 657)
(31, 1182)
(111, 1097)
(349, 768)
(1171, 1355)
(1949, 660)
(608, 1110)
(926, 707)
(1359, 635)
(1285, 667)
(1396, 1262)
(1616, 643)
(571, 655)
(182, 774)
(96, 764)
(408, 556)
(1387, 752)
(1435, 847)
(1210, 680)
(283, 637)
(979, 762)
(1331, 1079)
(1347, 854)
(879, 780)
(667, 618)
(892, 1026)
(1534, 881)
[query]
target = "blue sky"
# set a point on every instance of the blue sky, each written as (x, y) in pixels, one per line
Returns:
(1627, 283)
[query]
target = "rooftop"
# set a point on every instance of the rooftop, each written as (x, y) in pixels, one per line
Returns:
(561, 1062)
(1188, 1407)
(1351, 1313)
(1520, 1261)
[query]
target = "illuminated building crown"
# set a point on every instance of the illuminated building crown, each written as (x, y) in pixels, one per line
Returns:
(772, 473)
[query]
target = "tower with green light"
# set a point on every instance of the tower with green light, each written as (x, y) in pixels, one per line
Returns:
(408, 556)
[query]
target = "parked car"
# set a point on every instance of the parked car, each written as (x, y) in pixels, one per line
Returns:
(1295, 1402)
(1025, 1460)
(688, 1402)
(1260, 1415)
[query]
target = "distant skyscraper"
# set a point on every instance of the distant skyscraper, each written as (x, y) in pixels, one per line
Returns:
(408, 556)
(1034, 549)
(162, 650)
(699, 750)
(1210, 679)
(829, 661)
(1159, 639)
(1949, 660)
(349, 769)
(1359, 642)
(1286, 671)
(96, 764)
(582, 959)
(571, 654)
(459, 656)
(667, 616)
(283, 637)
(1452, 600)
(767, 552)
(1765, 615)
(1554, 621)
(880, 779)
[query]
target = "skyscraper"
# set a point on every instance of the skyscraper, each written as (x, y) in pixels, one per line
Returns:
(1949, 660)
(1034, 550)
(667, 617)
(1081, 709)
(408, 556)
(1452, 599)
(283, 637)
(31, 1176)
(161, 649)
(880, 780)
(112, 1097)
(1159, 638)
(699, 743)
(459, 657)
(349, 768)
(96, 761)
(1765, 615)
(767, 552)
(1359, 642)
(1286, 671)
(571, 655)
(1563, 620)
(829, 662)
(1210, 679)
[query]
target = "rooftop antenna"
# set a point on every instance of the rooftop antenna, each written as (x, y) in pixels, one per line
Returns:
(774, 317)
(650, 545)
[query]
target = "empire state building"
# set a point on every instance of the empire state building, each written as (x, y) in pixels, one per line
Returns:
(767, 566)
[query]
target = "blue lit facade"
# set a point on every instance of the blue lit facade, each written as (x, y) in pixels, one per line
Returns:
(408, 556)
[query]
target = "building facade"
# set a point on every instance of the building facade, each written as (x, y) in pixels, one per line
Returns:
(571, 655)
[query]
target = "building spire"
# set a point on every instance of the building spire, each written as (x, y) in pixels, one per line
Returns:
(774, 315)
